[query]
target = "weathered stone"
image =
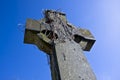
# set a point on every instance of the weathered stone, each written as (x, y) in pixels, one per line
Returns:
(63, 43)
(72, 63)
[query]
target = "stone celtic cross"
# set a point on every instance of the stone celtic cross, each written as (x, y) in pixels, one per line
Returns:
(64, 44)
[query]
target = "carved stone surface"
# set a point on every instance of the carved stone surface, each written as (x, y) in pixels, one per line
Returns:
(72, 63)
(64, 43)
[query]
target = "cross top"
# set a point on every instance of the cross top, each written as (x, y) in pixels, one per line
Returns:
(55, 27)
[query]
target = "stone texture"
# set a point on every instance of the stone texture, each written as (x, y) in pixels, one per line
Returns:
(64, 43)
(72, 63)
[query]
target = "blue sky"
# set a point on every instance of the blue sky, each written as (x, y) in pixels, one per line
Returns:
(19, 61)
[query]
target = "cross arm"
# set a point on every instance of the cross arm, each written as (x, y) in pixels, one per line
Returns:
(84, 38)
(35, 34)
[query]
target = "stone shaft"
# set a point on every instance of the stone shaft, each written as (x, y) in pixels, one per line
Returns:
(71, 62)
